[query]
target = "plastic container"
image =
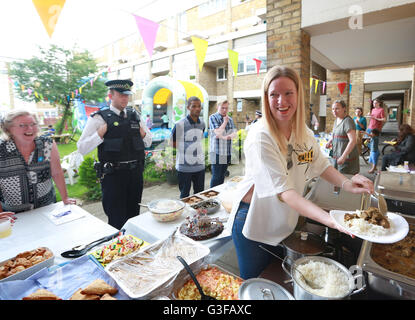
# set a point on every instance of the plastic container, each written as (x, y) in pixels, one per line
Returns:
(5, 227)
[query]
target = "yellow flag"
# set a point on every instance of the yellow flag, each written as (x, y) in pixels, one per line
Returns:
(233, 58)
(80, 90)
(315, 89)
(311, 83)
(200, 49)
(49, 11)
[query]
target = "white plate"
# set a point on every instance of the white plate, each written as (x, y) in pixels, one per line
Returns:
(399, 224)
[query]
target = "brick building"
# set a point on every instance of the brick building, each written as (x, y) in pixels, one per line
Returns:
(367, 45)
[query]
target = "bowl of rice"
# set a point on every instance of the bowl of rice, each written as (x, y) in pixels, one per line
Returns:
(334, 280)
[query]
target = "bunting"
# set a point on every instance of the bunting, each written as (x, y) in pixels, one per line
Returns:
(49, 12)
(233, 58)
(200, 50)
(341, 86)
(148, 30)
(258, 65)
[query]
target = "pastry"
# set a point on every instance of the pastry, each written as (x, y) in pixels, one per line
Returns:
(99, 287)
(42, 294)
(79, 296)
(108, 297)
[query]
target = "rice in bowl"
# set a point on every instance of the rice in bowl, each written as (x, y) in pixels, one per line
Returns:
(334, 282)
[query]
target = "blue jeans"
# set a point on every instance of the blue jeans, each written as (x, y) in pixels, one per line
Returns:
(219, 169)
(186, 179)
(252, 260)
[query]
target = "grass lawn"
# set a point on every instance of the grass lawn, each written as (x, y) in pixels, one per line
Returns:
(76, 190)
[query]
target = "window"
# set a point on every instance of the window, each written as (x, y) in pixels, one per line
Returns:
(141, 75)
(247, 64)
(211, 7)
(221, 73)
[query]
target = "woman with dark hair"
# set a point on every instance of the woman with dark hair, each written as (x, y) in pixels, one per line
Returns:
(404, 148)
(281, 155)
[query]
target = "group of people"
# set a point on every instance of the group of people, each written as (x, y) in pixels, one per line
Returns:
(280, 150)
(348, 136)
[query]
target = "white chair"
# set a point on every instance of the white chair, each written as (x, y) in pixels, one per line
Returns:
(71, 164)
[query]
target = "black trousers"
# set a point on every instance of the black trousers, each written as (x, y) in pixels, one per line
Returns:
(121, 193)
(186, 179)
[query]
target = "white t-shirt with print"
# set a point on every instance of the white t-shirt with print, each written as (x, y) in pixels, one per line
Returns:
(269, 220)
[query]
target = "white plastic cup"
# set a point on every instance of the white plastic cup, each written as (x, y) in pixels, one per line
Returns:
(5, 227)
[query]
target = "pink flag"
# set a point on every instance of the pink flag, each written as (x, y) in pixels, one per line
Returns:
(324, 86)
(92, 82)
(29, 91)
(148, 30)
(258, 65)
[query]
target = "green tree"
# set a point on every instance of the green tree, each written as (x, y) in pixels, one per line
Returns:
(54, 75)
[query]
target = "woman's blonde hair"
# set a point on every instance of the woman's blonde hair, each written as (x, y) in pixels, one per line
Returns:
(298, 124)
(7, 121)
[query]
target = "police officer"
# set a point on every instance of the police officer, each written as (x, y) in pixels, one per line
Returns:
(121, 137)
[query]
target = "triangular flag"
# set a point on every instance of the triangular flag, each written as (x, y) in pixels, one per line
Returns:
(324, 86)
(80, 90)
(233, 58)
(350, 87)
(36, 95)
(92, 82)
(258, 65)
(341, 86)
(22, 87)
(315, 89)
(200, 49)
(49, 12)
(29, 91)
(311, 83)
(148, 30)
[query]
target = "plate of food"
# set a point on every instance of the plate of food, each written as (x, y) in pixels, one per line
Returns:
(371, 225)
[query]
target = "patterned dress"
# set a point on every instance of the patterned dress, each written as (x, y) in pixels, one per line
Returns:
(340, 141)
(25, 186)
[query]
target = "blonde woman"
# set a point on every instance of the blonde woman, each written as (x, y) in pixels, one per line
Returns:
(28, 163)
(281, 154)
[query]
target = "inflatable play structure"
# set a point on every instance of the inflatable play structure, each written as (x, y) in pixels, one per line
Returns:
(173, 93)
(81, 112)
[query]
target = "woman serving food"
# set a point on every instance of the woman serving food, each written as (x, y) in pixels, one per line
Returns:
(281, 155)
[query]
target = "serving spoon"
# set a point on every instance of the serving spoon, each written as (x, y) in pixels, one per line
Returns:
(192, 275)
(382, 205)
(310, 283)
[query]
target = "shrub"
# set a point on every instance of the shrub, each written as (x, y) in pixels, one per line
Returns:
(88, 179)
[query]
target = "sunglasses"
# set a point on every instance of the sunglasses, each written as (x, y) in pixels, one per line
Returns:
(289, 158)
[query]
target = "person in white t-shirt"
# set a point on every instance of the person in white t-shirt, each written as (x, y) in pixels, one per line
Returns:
(281, 155)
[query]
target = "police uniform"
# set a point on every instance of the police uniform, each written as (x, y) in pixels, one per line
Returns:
(121, 156)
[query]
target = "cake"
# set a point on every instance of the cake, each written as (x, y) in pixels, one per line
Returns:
(201, 227)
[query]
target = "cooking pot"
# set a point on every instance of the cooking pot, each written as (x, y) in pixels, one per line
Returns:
(165, 209)
(302, 243)
(300, 290)
(262, 289)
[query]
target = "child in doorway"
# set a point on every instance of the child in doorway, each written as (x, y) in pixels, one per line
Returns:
(374, 149)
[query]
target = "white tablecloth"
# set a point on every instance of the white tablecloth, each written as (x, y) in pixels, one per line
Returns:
(145, 227)
(34, 229)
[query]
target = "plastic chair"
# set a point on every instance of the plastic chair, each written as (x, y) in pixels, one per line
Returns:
(71, 164)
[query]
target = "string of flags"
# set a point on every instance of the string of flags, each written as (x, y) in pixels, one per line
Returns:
(50, 10)
(340, 85)
(71, 95)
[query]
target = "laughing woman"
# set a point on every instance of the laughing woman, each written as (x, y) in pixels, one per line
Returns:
(281, 155)
(28, 163)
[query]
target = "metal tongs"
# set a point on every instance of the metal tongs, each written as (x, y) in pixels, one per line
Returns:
(80, 250)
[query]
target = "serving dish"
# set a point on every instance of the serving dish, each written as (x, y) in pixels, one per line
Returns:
(150, 271)
(47, 260)
(382, 280)
(211, 206)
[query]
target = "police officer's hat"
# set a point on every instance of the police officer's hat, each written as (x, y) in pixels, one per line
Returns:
(258, 113)
(122, 86)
